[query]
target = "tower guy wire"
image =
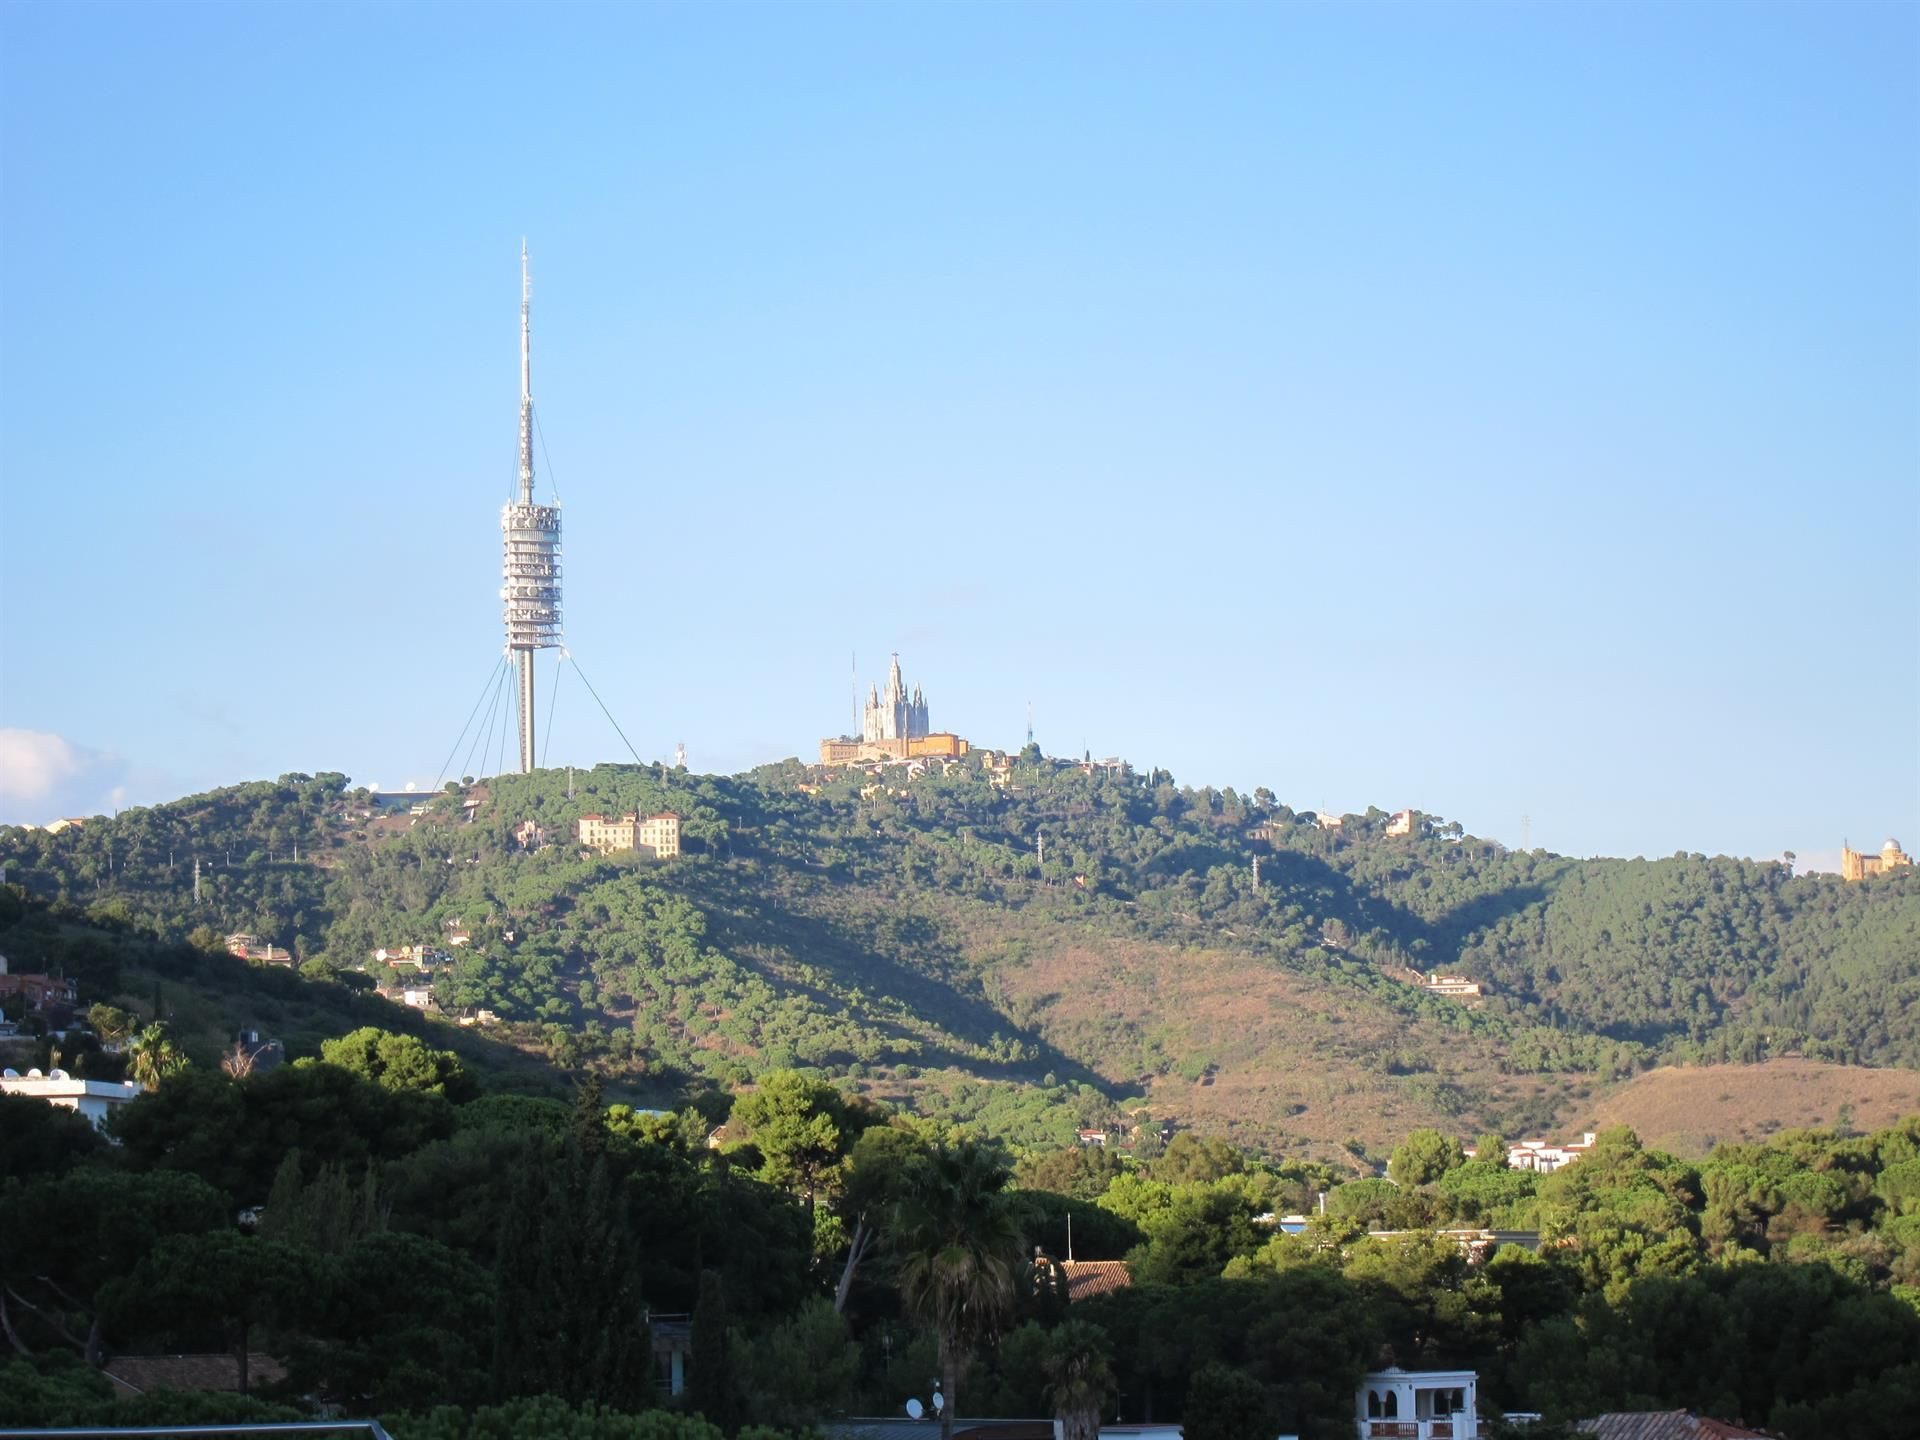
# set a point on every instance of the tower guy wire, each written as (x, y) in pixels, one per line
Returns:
(483, 744)
(608, 713)
(500, 764)
(553, 703)
(546, 459)
(486, 688)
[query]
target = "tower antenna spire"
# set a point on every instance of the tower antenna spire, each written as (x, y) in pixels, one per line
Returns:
(526, 377)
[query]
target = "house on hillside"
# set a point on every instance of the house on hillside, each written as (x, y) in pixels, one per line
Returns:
(1543, 1157)
(243, 946)
(40, 991)
(425, 957)
(1396, 1404)
(1088, 1278)
(1400, 823)
(1663, 1425)
(95, 1099)
(418, 994)
(657, 836)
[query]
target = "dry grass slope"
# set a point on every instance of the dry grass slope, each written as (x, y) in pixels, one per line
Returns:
(1228, 1044)
(1688, 1109)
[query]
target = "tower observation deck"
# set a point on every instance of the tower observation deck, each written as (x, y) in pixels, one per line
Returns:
(530, 561)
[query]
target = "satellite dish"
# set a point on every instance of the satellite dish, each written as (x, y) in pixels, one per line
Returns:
(915, 1409)
(939, 1402)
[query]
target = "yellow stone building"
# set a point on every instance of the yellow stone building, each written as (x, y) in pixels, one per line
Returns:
(656, 835)
(843, 751)
(1854, 865)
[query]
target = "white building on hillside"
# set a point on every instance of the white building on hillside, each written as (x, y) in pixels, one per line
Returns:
(1543, 1157)
(95, 1099)
(1396, 1404)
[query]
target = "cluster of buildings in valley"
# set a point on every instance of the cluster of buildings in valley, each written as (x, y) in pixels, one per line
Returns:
(411, 966)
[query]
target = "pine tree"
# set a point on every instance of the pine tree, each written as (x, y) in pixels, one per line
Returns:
(569, 1319)
(711, 1390)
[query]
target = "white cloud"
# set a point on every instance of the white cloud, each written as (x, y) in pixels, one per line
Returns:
(43, 775)
(32, 764)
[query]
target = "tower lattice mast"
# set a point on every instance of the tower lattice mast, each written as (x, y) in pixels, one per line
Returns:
(530, 564)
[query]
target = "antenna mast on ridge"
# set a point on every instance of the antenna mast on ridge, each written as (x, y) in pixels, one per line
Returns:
(526, 378)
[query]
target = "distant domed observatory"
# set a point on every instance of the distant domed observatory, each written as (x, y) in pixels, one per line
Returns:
(1855, 865)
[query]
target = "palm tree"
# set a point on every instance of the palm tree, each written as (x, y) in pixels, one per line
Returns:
(1079, 1377)
(153, 1056)
(957, 1240)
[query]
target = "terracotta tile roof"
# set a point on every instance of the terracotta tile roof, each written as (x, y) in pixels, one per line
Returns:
(1664, 1425)
(136, 1374)
(1088, 1278)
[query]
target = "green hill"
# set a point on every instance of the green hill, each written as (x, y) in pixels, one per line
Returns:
(905, 934)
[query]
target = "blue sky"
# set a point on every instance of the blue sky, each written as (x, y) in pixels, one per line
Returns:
(1502, 410)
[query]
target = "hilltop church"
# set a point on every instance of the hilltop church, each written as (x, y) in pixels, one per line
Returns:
(893, 716)
(893, 726)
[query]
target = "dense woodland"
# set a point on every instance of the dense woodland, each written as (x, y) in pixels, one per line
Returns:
(466, 1262)
(904, 936)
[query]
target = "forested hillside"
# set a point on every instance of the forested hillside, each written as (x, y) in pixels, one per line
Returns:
(906, 934)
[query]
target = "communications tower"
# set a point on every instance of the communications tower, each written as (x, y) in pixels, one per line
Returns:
(530, 563)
